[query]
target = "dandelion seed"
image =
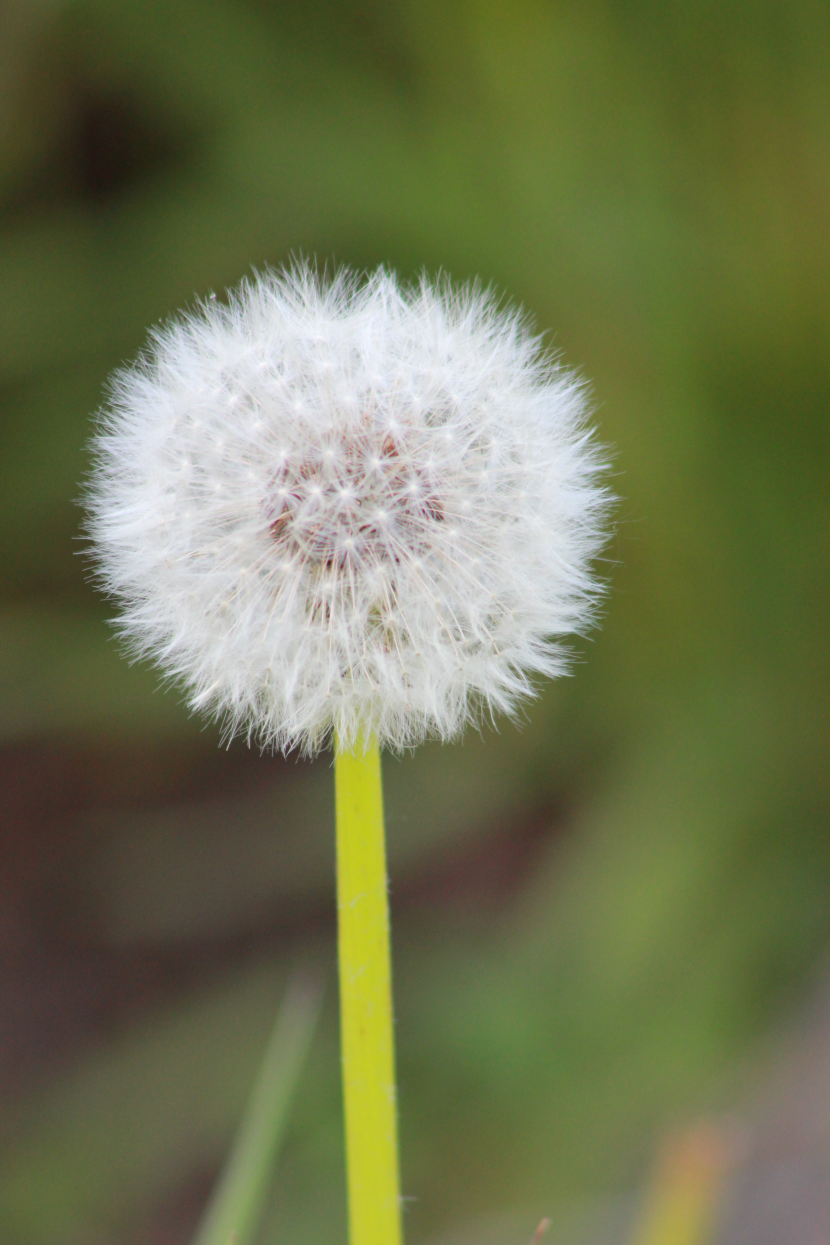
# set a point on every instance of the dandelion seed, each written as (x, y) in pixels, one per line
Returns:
(303, 579)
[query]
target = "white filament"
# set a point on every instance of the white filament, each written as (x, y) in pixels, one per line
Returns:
(334, 506)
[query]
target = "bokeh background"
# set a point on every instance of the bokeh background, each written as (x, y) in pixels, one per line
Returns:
(609, 923)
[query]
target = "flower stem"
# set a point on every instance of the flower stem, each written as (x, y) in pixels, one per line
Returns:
(366, 1001)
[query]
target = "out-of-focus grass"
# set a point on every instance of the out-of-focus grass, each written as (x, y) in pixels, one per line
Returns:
(687, 1189)
(156, 1106)
(653, 182)
(234, 1211)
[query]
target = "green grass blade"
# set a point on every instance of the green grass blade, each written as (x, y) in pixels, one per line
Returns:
(235, 1209)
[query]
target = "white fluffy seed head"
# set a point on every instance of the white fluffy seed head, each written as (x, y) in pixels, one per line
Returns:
(342, 507)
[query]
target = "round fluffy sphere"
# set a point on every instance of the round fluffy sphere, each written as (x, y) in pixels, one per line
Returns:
(344, 507)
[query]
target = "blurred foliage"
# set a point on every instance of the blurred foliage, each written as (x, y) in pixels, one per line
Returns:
(653, 181)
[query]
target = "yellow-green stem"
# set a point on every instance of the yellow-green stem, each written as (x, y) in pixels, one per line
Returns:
(366, 1001)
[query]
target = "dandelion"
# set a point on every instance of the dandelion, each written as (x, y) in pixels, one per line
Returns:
(337, 509)
(350, 512)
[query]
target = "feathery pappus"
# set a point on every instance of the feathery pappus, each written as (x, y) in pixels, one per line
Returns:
(334, 506)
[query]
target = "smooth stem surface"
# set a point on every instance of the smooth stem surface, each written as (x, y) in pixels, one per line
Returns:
(366, 1001)
(234, 1212)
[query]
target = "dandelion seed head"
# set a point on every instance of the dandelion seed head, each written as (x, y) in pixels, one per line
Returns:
(334, 506)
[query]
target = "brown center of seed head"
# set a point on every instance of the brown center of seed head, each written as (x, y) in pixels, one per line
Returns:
(352, 503)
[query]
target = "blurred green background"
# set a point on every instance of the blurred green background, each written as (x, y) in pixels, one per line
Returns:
(598, 916)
